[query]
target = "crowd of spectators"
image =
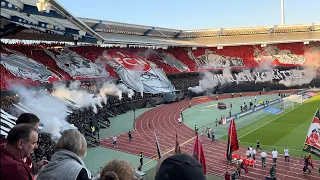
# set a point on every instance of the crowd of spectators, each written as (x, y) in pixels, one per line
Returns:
(66, 160)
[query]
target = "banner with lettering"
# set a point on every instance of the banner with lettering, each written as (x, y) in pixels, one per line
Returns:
(138, 73)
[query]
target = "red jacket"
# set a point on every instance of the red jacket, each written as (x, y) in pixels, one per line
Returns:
(12, 167)
(27, 161)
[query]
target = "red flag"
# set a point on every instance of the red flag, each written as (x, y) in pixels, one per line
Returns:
(177, 148)
(233, 143)
(311, 144)
(199, 154)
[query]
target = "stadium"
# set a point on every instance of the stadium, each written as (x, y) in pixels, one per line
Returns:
(148, 95)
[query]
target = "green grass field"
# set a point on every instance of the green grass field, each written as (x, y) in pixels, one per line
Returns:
(287, 129)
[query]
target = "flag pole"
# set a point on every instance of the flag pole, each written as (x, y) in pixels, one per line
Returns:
(229, 139)
(308, 131)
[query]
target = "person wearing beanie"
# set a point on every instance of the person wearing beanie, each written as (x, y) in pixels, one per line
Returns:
(179, 167)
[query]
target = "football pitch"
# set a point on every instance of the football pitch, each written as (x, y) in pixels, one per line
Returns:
(287, 129)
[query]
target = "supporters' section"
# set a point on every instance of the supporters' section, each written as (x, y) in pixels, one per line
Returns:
(74, 63)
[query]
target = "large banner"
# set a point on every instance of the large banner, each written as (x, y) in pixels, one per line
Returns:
(211, 59)
(26, 68)
(77, 66)
(312, 144)
(290, 76)
(171, 61)
(138, 73)
(279, 57)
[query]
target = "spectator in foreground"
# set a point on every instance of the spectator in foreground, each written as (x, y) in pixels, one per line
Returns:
(28, 118)
(66, 163)
(179, 166)
(118, 170)
(22, 140)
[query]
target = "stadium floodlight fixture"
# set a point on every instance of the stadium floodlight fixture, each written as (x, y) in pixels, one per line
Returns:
(82, 33)
(43, 6)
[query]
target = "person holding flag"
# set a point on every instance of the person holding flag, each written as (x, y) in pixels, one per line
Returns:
(233, 143)
(306, 164)
(198, 153)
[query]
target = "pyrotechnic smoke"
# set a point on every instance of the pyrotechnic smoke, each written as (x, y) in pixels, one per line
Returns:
(52, 113)
(309, 69)
(109, 88)
(207, 82)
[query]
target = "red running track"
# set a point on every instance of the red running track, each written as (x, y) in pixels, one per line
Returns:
(163, 121)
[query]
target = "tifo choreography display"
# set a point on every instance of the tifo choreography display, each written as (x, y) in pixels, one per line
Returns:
(89, 99)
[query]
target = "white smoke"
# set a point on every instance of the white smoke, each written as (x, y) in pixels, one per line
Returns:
(52, 112)
(207, 82)
(299, 77)
(126, 90)
(80, 97)
(74, 85)
(266, 69)
(109, 88)
(309, 69)
(226, 74)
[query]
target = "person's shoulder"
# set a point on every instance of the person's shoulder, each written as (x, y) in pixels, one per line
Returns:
(83, 175)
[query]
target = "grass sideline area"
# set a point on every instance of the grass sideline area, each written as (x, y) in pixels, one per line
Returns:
(288, 129)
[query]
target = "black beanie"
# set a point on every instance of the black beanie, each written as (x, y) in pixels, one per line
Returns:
(180, 166)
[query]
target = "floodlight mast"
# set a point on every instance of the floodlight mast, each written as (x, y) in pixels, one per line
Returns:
(282, 12)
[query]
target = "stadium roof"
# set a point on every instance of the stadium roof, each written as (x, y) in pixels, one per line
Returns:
(20, 19)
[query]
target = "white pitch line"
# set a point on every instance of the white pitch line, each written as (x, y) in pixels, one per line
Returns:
(268, 122)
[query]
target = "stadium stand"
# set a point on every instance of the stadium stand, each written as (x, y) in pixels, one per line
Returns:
(182, 55)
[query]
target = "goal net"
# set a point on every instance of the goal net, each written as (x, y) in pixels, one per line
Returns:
(291, 101)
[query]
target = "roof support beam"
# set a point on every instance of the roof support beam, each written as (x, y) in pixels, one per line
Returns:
(178, 34)
(94, 27)
(149, 31)
(272, 30)
(220, 32)
(4, 14)
(311, 28)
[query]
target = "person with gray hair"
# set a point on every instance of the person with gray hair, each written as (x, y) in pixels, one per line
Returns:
(66, 163)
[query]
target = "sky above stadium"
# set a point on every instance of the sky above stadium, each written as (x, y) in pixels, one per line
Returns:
(196, 14)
